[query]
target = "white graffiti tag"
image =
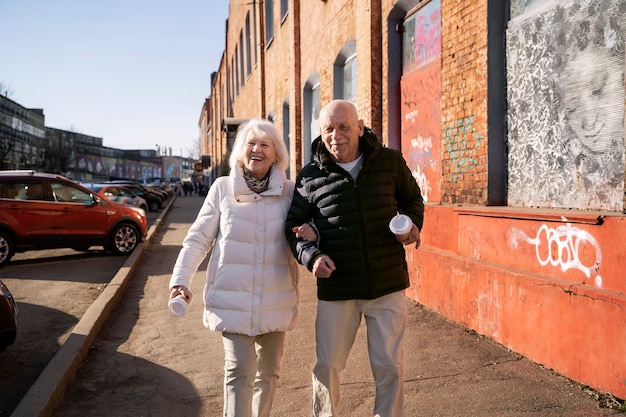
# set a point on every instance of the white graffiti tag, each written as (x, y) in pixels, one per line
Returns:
(563, 246)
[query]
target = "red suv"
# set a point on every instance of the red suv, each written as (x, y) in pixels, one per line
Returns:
(45, 211)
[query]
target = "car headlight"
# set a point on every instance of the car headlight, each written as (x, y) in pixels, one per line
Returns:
(138, 210)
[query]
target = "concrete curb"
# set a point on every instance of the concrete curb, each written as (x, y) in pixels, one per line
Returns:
(48, 390)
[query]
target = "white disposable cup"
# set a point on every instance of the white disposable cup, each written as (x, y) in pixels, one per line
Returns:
(178, 305)
(401, 225)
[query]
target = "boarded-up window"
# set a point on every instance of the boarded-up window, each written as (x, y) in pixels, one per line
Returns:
(421, 97)
(565, 78)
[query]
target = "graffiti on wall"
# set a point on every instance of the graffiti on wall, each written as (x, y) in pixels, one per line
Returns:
(462, 153)
(421, 98)
(566, 247)
(422, 37)
(565, 77)
(421, 111)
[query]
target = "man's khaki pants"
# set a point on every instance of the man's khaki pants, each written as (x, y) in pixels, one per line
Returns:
(336, 327)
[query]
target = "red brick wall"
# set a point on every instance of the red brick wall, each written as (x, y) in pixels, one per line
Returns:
(246, 103)
(464, 101)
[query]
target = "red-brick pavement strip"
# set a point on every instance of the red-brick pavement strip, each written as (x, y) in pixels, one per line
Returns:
(145, 362)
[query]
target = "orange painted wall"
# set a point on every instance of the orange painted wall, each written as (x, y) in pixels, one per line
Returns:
(421, 127)
(569, 314)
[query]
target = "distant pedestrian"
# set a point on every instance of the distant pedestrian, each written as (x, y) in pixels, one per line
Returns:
(179, 189)
(251, 291)
(186, 187)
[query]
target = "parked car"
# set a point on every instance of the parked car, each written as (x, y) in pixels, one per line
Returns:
(8, 317)
(118, 194)
(154, 200)
(45, 211)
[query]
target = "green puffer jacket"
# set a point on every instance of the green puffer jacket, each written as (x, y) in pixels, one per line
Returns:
(352, 219)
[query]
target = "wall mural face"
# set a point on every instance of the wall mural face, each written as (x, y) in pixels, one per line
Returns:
(565, 76)
(421, 98)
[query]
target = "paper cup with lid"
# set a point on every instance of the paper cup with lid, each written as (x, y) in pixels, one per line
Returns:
(179, 306)
(401, 225)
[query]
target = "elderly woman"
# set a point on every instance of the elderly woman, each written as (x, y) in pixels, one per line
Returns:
(251, 290)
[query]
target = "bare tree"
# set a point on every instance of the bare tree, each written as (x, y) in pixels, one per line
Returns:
(5, 90)
(193, 151)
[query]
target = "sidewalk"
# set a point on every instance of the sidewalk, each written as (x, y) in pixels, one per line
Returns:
(145, 362)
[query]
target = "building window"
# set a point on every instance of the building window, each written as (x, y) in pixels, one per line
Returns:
(284, 9)
(269, 21)
(248, 46)
(241, 65)
(349, 79)
(311, 104)
(254, 32)
(233, 78)
(236, 71)
(344, 71)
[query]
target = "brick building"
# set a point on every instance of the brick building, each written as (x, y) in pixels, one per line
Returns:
(510, 113)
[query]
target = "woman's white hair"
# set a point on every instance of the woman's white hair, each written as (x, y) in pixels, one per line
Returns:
(262, 129)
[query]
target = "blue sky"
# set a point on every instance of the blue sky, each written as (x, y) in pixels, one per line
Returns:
(133, 72)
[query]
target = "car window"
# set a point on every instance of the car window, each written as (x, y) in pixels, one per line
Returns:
(25, 190)
(10, 191)
(66, 193)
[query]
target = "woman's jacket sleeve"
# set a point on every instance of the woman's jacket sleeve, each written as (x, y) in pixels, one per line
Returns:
(199, 241)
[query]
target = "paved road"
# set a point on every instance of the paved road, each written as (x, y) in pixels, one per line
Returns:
(53, 289)
(146, 362)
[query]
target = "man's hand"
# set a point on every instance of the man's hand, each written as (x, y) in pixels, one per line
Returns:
(323, 266)
(414, 237)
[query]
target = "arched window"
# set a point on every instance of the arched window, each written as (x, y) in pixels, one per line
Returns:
(311, 107)
(248, 46)
(344, 71)
(269, 21)
(241, 65)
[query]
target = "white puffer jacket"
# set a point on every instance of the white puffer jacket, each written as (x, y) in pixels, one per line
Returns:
(252, 276)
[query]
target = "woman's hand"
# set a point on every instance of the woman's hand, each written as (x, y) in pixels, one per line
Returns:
(180, 290)
(306, 232)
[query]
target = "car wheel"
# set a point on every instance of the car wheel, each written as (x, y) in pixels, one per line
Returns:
(124, 239)
(6, 248)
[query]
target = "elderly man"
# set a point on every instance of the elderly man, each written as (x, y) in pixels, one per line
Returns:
(350, 191)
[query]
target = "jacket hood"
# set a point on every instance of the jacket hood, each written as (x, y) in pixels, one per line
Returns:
(368, 144)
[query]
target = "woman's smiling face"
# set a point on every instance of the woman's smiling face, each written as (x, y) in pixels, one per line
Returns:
(260, 155)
